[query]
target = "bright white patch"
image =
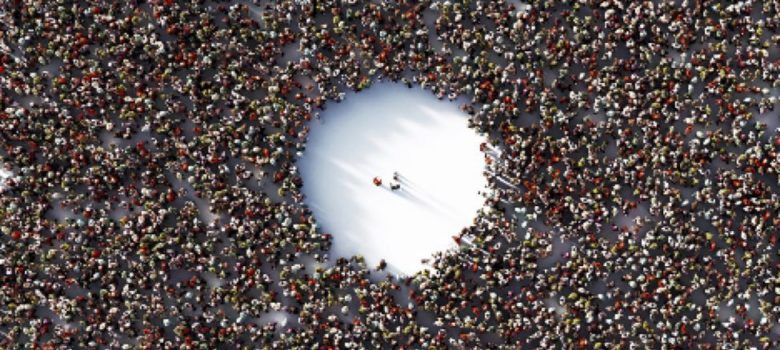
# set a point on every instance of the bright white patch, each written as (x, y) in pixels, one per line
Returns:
(4, 175)
(377, 132)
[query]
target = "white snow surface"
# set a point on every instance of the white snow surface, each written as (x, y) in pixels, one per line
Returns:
(385, 129)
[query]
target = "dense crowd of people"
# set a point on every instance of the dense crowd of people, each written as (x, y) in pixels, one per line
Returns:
(641, 133)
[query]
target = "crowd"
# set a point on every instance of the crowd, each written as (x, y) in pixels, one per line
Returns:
(643, 133)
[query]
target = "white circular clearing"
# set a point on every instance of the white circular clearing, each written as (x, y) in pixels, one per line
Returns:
(385, 129)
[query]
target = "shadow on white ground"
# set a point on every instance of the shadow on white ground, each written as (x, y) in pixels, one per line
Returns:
(385, 129)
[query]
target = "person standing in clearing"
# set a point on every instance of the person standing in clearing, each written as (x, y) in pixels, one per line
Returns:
(395, 184)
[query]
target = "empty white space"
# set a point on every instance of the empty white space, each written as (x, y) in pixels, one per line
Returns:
(377, 132)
